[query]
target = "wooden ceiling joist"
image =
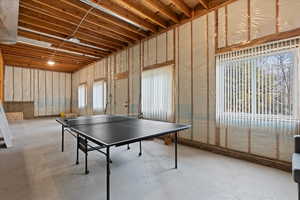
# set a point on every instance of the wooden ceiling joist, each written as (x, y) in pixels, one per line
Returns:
(119, 10)
(74, 16)
(66, 44)
(204, 3)
(41, 17)
(21, 47)
(144, 12)
(163, 9)
(183, 7)
(61, 30)
(106, 17)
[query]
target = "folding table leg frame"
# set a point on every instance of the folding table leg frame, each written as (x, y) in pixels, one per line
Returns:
(107, 173)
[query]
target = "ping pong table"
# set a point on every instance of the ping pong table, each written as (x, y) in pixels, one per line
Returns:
(108, 131)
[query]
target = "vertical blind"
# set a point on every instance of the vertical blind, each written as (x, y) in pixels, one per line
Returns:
(157, 93)
(81, 96)
(99, 96)
(259, 86)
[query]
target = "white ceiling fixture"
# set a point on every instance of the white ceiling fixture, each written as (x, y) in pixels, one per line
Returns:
(51, 62)
(9, 13)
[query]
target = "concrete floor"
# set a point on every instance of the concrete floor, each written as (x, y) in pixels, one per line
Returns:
(35, 169)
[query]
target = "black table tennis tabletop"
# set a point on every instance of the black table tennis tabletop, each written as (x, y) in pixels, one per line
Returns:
(116, 130)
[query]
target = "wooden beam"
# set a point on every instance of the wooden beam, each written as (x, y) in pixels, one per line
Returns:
(1, 78)
(36, 63)
(163, 9)
(143, 11)
(204, 3)
(74, 19)
(63, 44)
(183, 7)
(29, 16)
(212, 6)
(258, 41)
(106, 17)
(119, 10)
(60, 31)
(44, 51)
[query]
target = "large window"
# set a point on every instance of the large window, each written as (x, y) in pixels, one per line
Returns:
(157, 101)
(258, 85)
(99, 96)
(82, 96)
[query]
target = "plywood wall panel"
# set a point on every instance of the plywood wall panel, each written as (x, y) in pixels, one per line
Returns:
(221, 27)
(263, 18)
(211, 30)
(26, 92)
(121, 96)
(8, 84)
(100, 69)
(90, 82)
(18, 92)
(162, 48)
(49, 93)
(110, 92)
(237, 22)
(170, 45)
(42, 92)
(289, 15)
(200, 64)
(185, 76)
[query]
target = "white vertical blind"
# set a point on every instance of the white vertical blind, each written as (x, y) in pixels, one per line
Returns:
(99, 96)
(82, 96)
(259, 86)
(157, 91)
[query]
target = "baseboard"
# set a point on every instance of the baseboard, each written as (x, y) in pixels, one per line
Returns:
(282, 165)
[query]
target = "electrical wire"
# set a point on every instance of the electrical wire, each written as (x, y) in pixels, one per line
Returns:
(74, 32)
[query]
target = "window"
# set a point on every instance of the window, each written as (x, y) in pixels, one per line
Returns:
(258, 85)
(99, 96)
(157, 93)
(81, 96)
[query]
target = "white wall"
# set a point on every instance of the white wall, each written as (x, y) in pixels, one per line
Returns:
(50, 91)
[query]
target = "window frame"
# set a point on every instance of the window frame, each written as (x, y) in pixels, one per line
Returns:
(249, 116)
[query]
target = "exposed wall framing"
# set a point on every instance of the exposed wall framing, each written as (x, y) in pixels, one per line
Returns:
(191, 47)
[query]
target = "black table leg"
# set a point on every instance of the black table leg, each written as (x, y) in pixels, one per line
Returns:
(62, 138)
(86, 156)
(140, 154)
(107, 173)
(176, 141)
(128, 147)
(77, 151)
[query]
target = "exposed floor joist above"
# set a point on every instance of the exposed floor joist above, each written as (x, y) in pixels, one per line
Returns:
(89, 30)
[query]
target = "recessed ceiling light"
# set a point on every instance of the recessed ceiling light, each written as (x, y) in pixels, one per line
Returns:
(50, 62)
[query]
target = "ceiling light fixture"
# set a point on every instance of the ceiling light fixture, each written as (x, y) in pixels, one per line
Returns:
(51, 62)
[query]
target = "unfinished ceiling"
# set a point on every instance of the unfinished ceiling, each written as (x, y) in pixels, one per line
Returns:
(74, 33)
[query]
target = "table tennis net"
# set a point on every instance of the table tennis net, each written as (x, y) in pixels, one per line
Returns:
(98, 120)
